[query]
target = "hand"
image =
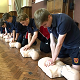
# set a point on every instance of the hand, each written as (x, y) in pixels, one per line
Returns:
(5, 34)
(49, 62)
(26, 47)
(13, 40)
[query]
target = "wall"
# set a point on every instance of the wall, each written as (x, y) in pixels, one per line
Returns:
(36, 6)
(26, 3)
(77, 12)
(3, 6)
(12, 5)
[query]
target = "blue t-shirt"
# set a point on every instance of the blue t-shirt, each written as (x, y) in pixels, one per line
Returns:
(13, 23)
(31, 27)
(2, 30)
(20, 28)
(62, 24)
(8, 27)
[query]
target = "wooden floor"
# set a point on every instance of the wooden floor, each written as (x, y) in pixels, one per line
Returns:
(14, 67)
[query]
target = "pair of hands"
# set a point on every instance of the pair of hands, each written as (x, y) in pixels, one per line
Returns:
(49, 62)
(26, 47)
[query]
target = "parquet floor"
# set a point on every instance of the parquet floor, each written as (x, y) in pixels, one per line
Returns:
(14, 67)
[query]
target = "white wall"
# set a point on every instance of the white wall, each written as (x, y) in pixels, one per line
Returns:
(26, 3)
(11, 5)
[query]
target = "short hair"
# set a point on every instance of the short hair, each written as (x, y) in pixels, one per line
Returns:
(6, 16)
(22, 17)
(40, 16)
(1, 22)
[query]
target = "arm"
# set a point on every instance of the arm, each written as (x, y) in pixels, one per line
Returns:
(29, 37)
(58, 46)
(33, 38)
(31, 41)
(55, 50)
(13, 35)
(52, 43)
(17, 34)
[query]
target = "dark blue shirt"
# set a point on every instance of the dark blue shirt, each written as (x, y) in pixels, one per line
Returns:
(20, 28)
(8, 27)
(32, 27)
(2, 30)
(62, 24)
(13, 23)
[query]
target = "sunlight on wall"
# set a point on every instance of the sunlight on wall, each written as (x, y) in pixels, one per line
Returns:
(3, 6)
(11, 5)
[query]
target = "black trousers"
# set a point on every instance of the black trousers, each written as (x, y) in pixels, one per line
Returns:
(45, 46)
(25, 42)
(45, 43)
(21, 39)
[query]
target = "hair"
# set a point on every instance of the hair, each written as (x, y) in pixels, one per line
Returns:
(1, 22)
(22, 17)
(6, 16)
(40, 16)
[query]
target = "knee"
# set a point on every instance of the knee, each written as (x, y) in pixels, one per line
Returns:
(77, 67)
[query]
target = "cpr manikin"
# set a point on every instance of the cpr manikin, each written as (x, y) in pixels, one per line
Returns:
(8, 39)
(30, 53)
(15, 45)
(58, 70)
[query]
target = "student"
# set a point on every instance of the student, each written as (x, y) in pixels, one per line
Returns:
(12, 21)
(2, 30)
(32, 30)
(41, 34)
(67, 33)
(22, 30)
(5, 27)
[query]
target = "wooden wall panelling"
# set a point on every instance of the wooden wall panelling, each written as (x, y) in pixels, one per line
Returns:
(27, 10)
(13, 13)
(70, 12)
(55, 6)
(64, 6)
(67, 9)
(50, 6)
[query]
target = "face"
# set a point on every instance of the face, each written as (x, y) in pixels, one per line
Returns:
(4, 25)
(25, 23)
(47, 23)
(9, 20)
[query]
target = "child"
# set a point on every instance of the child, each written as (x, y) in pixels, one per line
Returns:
(5, 26)
(22, 32)
(12, 21)
(32, 30)
(24, 20)
(67, 33)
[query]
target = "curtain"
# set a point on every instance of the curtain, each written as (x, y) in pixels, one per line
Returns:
(18, 6)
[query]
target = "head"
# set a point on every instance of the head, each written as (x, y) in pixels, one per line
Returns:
(7, 17)
(2, 23)
(42, 18)
(23, 19)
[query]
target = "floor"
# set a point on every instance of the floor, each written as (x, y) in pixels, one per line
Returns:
(14, 67)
